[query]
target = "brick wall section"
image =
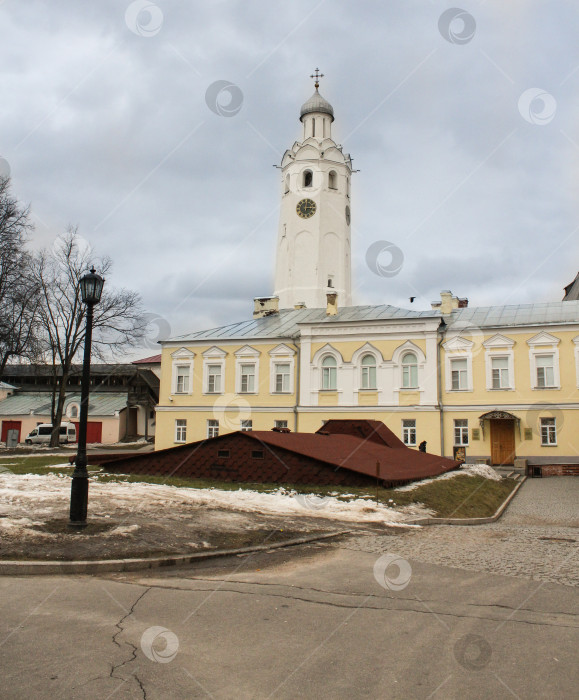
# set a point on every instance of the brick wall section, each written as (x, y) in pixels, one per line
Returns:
(202, 461)
(560, 470)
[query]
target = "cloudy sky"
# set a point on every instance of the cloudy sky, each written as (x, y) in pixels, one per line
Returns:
(463, 124)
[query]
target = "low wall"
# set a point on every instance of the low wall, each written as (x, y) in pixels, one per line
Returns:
(560, 470)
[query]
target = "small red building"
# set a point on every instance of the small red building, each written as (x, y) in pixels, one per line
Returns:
(342, 452)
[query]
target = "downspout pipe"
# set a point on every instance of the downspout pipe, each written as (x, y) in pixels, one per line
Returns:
(298, 375)
(441, 332)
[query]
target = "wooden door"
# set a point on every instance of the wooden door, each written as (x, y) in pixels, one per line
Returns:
(502, 442)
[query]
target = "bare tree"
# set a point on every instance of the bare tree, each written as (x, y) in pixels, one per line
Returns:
(19, 297)
(119, 321)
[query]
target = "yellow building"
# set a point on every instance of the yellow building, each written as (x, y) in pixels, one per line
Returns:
(501, 382)
(497, 383)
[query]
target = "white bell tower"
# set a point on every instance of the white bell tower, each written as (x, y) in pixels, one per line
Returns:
(314, 247)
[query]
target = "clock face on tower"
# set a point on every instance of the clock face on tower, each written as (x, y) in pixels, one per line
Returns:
(306, 208)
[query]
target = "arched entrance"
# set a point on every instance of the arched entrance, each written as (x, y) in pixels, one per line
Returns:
(502, 433)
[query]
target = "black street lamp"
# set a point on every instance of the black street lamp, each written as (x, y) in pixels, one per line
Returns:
(91, 287)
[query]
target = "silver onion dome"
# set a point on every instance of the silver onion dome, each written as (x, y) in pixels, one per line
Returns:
(316, 103)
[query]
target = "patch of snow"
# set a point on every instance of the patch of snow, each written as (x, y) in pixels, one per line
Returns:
(122, 530)
(25, 493)
(468, 469)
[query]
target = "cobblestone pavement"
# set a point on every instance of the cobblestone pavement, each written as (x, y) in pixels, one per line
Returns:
(513, 546)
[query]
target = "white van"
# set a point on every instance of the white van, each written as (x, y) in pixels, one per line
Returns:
(41, 434)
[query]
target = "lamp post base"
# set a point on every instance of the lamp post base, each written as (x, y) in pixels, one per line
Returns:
(78, 501)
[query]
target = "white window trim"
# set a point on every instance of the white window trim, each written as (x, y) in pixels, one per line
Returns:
(367, 349)
(458, 348)
(207, 427)
(180, 442)
(544, 344)
(282, 354)
(213, 356)
(403, 428)
(246, 356)
(548, 444)
(461, 428)
(448, 371)
(316, 367)
(510, 356)
(182, 358)
(397, 356)
(71, 405)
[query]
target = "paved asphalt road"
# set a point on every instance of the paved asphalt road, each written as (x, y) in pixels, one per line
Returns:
(321, 621)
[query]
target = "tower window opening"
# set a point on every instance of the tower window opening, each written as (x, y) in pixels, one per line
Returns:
(330, 281)
(308, 178)
(287, 183)
(313, 127)
(332, 180)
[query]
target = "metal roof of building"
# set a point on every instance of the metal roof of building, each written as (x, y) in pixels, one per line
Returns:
(555, 312)
(286, 323)
(5, 385)
(39, 403)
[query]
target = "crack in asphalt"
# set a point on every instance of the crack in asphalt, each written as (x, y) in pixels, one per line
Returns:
(370, 607)
(120, 630)
(354, 595)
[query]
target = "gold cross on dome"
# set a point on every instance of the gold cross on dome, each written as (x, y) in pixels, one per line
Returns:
(317, 75)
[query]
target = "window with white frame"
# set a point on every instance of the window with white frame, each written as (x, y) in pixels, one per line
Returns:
(368, 378)
(247, 384)
(500, 372)
(212, 428)
(213, 379)
(461, 431)
(329, 373)
(73, 410)
(459, 374)
(282, 377)
(182, 371)
(246, 425)
(545, 366)
(280, 424)
(181, 430)
(183, 378)
(409, 431)
(409, 371)
(548, 431)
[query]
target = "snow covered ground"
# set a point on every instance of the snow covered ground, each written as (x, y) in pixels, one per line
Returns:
(468, 469)
(29, 498)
